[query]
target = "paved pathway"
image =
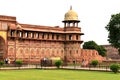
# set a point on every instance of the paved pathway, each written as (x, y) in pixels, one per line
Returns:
(63, 67)
(86, 68)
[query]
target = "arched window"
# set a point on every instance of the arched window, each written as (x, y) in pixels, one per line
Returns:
(52, 36)
(12, 33)
(37, 51)
(43, 35)
(70, 52)
(61, 51)
(37, 35)
(20, 34)
(26, 34)
(32, 35)
(57, 36)
(76, 37)
(77, 51)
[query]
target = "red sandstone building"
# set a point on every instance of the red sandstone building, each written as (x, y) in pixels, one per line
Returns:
(112, 52)
(31, 43)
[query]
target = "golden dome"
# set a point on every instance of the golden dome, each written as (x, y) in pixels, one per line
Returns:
(71, 15)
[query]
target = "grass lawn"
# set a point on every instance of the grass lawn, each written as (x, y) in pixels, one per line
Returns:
(37, 74)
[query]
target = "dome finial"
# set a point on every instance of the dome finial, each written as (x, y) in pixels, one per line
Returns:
(71, 7)
(71, 15)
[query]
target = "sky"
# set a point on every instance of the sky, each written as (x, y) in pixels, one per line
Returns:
(94, 15)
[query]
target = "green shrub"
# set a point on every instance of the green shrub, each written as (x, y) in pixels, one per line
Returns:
(94, 63)
(115, 68)
(58, 63)
(1, 63)
(18, 62)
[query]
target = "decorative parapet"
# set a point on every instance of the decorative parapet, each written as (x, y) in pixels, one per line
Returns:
(7, 18)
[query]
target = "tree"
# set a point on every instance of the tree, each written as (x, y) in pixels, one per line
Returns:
(92, 45)
(113, 27)
(101, 50)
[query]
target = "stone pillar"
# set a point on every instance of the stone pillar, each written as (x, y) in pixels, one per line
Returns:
(73, 37)
(40, 36)
(34, 35)
(65, 24)
(50, 36)
(45, 36)
(68, 24)
(76, 24)
(55, 36)
(73, 24)
(23, 34)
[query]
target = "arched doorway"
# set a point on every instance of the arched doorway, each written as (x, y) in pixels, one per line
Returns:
(2, 48)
